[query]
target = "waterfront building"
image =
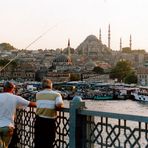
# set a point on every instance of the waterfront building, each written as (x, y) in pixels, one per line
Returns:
(142, 75)
(58, 77)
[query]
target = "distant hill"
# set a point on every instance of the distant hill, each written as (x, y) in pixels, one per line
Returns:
(6, 46)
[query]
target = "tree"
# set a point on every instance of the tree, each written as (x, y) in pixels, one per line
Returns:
(121, 70)
(130, 78)
(98, 70)
(3, 62)
(6, 46)
(74, 77)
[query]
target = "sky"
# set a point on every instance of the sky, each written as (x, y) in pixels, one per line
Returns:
(50, 23)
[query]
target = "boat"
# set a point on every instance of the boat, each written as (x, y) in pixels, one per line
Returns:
(103, 94)
(125, 92)
(102, 91)
(103, 97)
(141, 94)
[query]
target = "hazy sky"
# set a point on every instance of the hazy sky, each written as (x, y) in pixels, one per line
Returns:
(22, 21)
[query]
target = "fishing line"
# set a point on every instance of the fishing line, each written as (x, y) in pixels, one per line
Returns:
(40, 36)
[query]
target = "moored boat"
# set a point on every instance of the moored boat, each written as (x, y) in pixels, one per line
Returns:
(103, 97)
(125, 92)
(141, 94)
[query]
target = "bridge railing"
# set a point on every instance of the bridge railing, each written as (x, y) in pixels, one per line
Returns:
(111, 130)
(24, 129)
(78, 127)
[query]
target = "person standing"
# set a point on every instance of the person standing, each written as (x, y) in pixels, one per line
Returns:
(47, 101)
(8, 104)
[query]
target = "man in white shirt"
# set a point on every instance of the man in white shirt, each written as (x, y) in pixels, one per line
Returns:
(8, 105)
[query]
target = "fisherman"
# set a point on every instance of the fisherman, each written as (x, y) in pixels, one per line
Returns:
(48, 101)
(8, 104)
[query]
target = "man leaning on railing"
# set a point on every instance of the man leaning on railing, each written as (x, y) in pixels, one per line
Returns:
(8, 104)
(48, 101)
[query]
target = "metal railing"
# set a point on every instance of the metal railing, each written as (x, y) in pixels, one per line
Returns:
(111, 130)
(78, 127)
(24, 132)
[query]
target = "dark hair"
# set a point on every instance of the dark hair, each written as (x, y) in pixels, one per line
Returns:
(8, 85)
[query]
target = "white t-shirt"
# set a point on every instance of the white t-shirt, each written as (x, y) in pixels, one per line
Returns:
(8, 105)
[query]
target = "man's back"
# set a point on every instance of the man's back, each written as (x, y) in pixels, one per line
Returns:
(45, 127)
(7, 109)
(47, 100)
(8, 104)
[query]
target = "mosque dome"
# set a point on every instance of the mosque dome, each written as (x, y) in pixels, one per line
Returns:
(92, 46)
(62, 58)
(91, 38)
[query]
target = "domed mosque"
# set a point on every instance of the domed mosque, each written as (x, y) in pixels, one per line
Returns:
(62, 59)
(92, 46)
(62, 62)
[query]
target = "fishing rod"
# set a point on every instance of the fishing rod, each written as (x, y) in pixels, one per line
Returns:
(40, 36)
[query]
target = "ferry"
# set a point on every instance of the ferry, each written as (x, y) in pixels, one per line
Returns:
(125, 92)
(102, 91)
(141, 93)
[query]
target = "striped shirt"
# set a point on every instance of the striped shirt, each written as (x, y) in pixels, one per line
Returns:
(47, 100)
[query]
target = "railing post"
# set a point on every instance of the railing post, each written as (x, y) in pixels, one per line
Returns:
(75, 127)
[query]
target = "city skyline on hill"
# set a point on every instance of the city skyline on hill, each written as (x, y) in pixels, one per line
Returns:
(52, 23)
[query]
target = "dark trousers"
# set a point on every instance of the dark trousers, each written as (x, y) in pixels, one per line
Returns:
(44, 132)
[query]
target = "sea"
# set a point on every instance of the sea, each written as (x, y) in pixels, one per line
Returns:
(116, 106)
(129, 107)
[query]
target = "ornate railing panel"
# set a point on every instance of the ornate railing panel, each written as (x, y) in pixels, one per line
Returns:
(62, 130)
(110, 130)
(24, 132)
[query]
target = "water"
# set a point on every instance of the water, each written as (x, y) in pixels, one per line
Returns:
(122, 107)
(117, 106)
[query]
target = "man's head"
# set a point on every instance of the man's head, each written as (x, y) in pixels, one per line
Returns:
(9, 87)
(47, 83)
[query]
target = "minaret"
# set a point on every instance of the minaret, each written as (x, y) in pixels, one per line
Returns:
(130, 42)
(69, 54)
(100, 35)
(120, 44)
(109, 36)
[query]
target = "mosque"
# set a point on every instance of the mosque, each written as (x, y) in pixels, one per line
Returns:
(89, 54)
